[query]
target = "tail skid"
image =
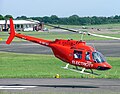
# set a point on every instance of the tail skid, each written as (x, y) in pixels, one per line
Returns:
(12, 32)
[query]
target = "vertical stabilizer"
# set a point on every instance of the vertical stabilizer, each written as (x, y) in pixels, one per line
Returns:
(12, 32)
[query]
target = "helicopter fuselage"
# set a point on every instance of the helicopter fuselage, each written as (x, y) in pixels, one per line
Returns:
(74, 52)
(77, 53)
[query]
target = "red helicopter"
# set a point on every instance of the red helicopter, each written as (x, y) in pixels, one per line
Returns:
(73, 52)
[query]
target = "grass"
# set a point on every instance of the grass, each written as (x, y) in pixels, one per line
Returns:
(55, 35)
(13, 65)
(47, 66)
(101, 26)
(52, 36)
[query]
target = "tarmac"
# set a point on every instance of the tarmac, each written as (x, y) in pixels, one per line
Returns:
(109, 48)
(60, 86)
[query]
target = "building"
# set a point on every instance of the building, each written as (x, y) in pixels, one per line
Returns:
(21, 25)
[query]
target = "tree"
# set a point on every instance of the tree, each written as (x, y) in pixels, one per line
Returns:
(74, 19)
(1, 17)
(46, 19)
(54, 19)
(22, 18)
(117, 17)
(6, 17)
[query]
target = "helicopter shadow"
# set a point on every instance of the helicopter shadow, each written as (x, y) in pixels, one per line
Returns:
(68, 86)
(54, 86)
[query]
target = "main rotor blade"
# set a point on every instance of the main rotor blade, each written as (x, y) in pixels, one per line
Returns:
(102, 36)
(82, 32)
(72, 30)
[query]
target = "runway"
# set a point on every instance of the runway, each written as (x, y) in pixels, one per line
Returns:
(107, 48)
(60, 86)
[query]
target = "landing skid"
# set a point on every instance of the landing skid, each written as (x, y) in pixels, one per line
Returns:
(75, 70)
(78, 70)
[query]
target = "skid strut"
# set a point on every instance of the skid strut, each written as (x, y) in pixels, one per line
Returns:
(79, 71)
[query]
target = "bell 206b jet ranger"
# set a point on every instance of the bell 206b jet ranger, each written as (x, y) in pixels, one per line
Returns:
(73, 52)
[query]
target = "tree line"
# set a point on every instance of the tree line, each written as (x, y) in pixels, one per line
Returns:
(71, 20)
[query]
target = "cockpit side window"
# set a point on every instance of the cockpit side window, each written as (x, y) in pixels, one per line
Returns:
(78, 54)
(87, 56)
(98, 57)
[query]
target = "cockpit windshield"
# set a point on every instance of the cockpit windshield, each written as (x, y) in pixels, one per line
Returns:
(98, 57)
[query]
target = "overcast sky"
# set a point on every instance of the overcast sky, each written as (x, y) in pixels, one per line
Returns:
(61, 8)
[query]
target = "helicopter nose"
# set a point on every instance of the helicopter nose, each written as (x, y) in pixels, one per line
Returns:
(105, 67)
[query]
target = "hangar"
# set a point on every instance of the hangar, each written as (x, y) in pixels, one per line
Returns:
(22, 25)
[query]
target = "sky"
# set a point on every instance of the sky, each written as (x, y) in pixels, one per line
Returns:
(61, 8)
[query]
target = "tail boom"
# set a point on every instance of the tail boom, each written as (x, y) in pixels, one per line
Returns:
(25, 37)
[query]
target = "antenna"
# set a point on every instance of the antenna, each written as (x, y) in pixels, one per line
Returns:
(82, 37)
(93, 46)
(82, 34)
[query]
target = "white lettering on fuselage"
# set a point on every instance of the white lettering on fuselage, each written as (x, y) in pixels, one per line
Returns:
(44, 43)
(85, 64)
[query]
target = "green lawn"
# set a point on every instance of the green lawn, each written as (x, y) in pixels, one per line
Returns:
(47, 66)
(13, 65)
(55, 35)
(102, 26)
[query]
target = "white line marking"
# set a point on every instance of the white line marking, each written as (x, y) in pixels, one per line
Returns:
(13, 88)
(16, 87)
